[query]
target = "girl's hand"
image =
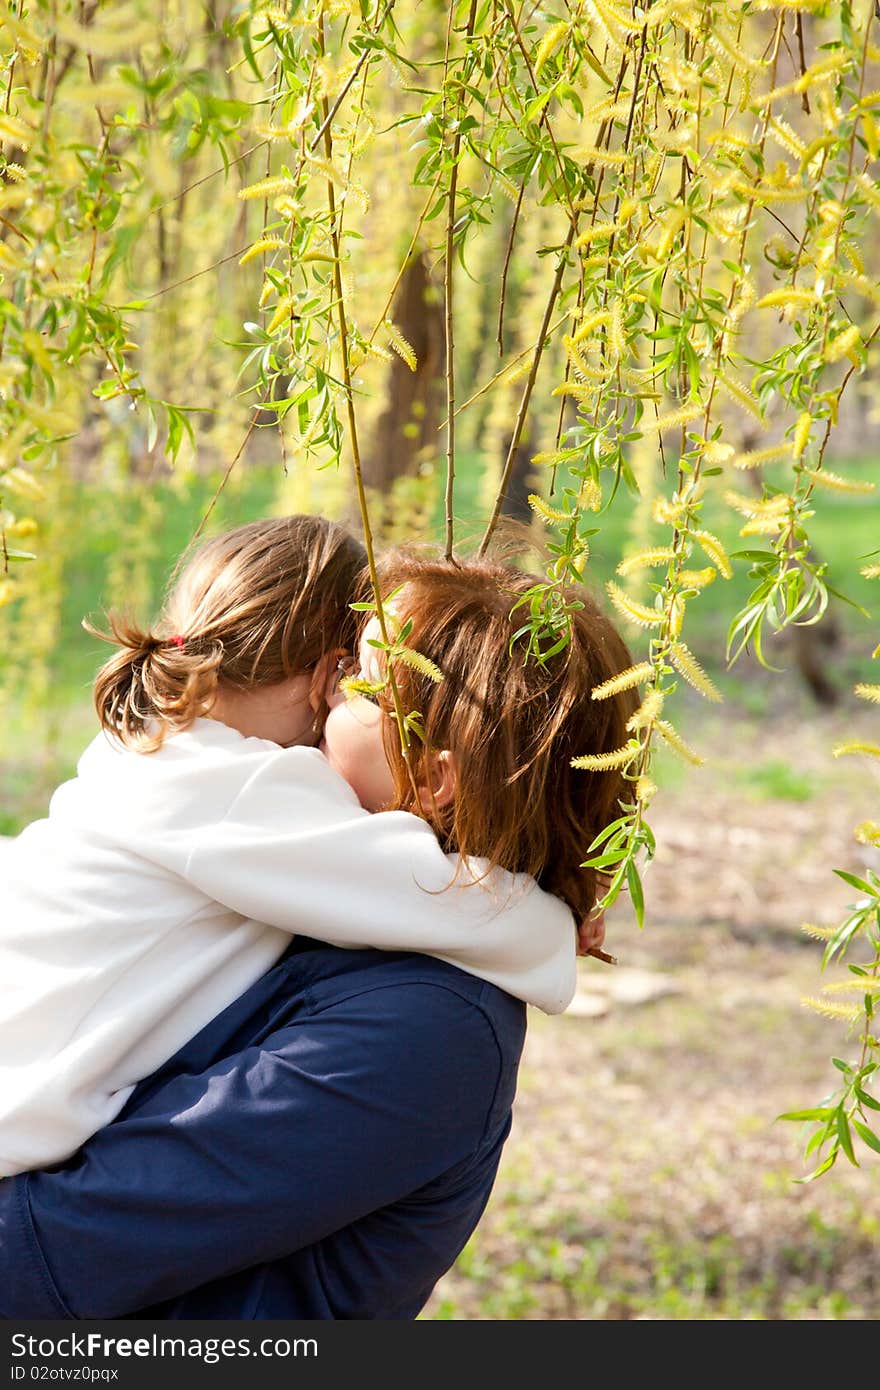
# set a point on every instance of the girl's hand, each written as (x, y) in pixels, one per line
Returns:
(591, 932)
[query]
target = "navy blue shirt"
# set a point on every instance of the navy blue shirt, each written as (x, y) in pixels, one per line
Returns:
(323, 1149)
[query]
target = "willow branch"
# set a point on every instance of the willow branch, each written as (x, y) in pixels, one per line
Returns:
(527, 393)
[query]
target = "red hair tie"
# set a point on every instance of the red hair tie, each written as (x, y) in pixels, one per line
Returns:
(177, 640)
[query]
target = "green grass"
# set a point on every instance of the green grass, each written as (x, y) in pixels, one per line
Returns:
(775, 780)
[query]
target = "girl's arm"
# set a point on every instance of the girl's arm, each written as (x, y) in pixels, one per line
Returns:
(297, 851)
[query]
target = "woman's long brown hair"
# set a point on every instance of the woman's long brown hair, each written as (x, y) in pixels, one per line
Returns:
(511, 724)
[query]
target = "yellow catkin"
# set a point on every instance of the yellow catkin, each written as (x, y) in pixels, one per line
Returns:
(647, 713)
(516, 372)
(635, 612)
(667, 513)
(328, 169)
(268, 243)
(816, 932)
(15, 131)
(697, 579)
(787, 138)
(682, 416)
(780, 298)
(646, 789)
(801, 434)
(590, 154)
(853, 255)
(419, 663)
(20, 481)
(715, 551)
(756, 457)
(604, 762)
(851, 1012)
(266, 188)
(618, 17)
(549, 44)
(675, 740)
(644, 559)
(834, 483)
(858, 986)
(745, 298)
(634, 675)
(605, 110)
(590, 495)
(402, 347)
(579, 390)
(672, 225)
(589, 325)
(844, 344)
(577, 359)
(545, 511)
(861, 283)
(763, 526)
(869, 188)
(281, 315)
(687, 665)
(867, 832)
(715, 451)
(768, 507)
(677, 609)
(856, 746)
(870, 572)
(868, 692)
(616, 335)
(601, 231)
(740, 394)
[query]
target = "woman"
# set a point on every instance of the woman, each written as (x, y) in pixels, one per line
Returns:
(325, 1147)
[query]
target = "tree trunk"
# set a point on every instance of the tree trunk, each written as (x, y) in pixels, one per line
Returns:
(407, 428)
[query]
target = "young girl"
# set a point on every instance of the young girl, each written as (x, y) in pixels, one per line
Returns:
(201, 829)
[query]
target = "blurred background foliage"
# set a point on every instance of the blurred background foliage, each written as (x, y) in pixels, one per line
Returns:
(255, 257)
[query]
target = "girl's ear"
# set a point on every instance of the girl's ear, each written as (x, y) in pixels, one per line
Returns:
(324, 680)
(438, 782)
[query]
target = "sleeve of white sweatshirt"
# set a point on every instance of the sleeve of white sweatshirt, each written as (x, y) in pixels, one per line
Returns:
(297, 851)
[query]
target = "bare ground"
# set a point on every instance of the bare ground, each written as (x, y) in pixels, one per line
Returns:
(646, 1175)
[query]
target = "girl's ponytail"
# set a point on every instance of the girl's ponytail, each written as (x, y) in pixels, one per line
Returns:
(251, 607)
(154, 685)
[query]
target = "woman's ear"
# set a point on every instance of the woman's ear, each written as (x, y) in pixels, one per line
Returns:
(438, 782)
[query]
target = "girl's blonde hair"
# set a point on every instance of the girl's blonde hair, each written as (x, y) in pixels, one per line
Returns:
(251, 607)
(512, 724)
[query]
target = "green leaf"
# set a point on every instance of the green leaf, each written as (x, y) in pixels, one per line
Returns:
(868, 1135)
(865, 1099)
(855, 882)
(17, 554)
(635, 892)
(604, 861)
(817, 1113)
(823, 1168)
(844, 1135)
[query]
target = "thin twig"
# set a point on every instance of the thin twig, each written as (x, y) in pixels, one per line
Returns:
(449, 282)
(506, 268)
(527, 393)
